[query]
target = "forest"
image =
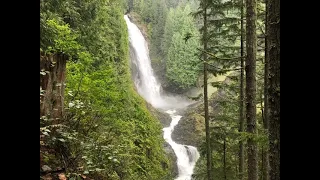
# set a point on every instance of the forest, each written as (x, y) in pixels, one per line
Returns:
(218, 59)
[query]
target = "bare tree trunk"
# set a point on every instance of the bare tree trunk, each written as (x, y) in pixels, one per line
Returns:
(52, 80)
(53, 84)
(265, 152)
(241, 116)
(273, 39)
(251, 46)
(205, 44)
(224, 159)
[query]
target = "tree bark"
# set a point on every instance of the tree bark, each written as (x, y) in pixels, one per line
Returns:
(224, 160)
(273, 39)
(52, 99)
(53, 84)
(251, 47)
(206, 111)
(241, 115)
(265, 152)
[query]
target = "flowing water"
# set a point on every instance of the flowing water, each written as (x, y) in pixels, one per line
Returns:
(150, 89)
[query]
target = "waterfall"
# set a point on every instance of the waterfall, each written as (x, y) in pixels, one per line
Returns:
(150, 89)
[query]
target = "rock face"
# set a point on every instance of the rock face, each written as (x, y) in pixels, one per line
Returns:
(142, 26)
(190, 128)
(165, 121)
(173, 158)
(163, 117)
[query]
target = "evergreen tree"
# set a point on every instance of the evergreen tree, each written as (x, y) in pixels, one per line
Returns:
(251, 47)
(182, 65)
(273, 51)
(205, 91)
(106, 128)
(241, 110)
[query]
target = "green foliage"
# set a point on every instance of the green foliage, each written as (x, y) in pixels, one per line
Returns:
(158, 21)
(124, 140)
(223, 34)
(107, 129)
(182, 62)
(174, 23)
(224, 125)
(164, 18)
(63, 39)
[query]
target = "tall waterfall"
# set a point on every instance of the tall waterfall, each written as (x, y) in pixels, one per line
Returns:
(148, 87)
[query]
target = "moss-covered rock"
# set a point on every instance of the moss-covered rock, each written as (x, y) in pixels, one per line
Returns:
(190, 128)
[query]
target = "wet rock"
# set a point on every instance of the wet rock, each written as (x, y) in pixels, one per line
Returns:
(163, 117)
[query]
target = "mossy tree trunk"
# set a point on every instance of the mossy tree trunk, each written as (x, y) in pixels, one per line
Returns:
(265, 152)
(241, 115)
(251, 47)
(52, 82)
(273, 39)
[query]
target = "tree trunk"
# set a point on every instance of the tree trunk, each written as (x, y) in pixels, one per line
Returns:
(53, 84)
(265, 152)
(206, 111)
(251, 46)
(52, 99)
(224, 160)
(241, 116)
(273, 39)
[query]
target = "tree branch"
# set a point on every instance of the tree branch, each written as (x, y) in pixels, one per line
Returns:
(212, 55)
(235, 69)
(261, 29)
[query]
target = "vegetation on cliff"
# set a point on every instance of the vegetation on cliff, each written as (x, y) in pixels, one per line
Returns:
(93, 124)
(104, 130)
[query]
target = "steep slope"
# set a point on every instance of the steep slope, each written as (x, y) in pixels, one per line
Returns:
(104, 130)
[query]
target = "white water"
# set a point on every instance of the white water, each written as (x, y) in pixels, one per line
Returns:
(150, 90)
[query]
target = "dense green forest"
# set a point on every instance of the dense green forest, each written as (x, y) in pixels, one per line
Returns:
(166, 23)
(103, 130)
(236, 48)
(93, 123)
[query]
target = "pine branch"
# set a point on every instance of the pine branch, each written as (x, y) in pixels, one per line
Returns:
(235, 69)
(212, 55)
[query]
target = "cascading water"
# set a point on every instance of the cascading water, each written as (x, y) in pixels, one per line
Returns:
(149, 89)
